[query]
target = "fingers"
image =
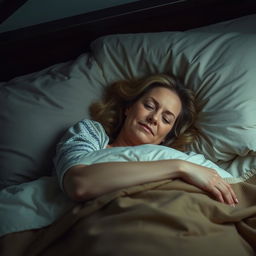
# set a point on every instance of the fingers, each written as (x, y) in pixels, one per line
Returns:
(209, 180)
(217, 194)
(232, 194)
(224, 193)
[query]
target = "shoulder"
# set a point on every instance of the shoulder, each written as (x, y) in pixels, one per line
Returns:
(86, 131)
(89, 126)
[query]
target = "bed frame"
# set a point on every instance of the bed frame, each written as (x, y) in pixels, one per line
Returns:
(33, 48)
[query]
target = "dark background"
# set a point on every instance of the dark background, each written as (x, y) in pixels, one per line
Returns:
(33, 48)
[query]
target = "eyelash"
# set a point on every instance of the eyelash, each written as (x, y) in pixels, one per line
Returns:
(148, 106)
(166, 121)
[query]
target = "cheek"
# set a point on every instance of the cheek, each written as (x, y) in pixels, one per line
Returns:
(165, 131)
(135, 111)
(130, 117)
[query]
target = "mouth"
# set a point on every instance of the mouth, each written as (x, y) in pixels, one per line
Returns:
(146, 127)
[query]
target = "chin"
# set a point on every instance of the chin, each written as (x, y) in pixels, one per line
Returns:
(141, 138)
(142, 142)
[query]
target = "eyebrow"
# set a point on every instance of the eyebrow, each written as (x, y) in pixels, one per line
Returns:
(157, 103)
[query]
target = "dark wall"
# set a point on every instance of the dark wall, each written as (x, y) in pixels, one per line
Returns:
(31, 49)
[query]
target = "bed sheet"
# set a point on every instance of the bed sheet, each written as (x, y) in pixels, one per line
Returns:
(160, 218)
(39, 203)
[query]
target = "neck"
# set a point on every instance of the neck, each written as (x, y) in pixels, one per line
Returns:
(120, 141)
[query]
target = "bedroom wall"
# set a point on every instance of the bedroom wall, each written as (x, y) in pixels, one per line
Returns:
(38, 11)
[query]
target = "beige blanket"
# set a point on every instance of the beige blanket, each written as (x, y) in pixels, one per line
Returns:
(162, 218)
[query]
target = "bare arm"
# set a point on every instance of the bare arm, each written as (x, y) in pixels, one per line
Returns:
(83, 182)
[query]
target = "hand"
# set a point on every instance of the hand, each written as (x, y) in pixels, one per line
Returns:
(209, 180)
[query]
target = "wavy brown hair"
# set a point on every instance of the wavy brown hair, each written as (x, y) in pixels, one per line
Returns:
(119, 95)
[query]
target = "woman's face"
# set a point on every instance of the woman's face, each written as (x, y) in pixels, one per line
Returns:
(151, 118)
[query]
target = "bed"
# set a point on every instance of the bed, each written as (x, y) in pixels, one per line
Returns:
(214, 57)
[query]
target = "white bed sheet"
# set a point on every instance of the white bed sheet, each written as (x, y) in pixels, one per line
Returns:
(39, 203)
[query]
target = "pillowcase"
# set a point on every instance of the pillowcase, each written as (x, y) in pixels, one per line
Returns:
(36, 109)
(220, 68)
(241, 165)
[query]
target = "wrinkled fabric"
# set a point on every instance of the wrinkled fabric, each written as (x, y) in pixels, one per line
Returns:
(161, 218)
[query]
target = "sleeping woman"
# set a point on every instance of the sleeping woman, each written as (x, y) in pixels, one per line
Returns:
(144, 123)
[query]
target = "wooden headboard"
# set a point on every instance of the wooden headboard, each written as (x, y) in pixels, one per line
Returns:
(33, 48)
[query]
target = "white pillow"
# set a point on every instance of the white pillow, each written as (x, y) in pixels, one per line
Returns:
(36, 109)
(220, 68)
(240, 165)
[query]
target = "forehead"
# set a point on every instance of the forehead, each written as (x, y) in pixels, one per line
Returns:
(163, 95)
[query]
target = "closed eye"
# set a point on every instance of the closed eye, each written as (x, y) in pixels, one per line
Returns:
(166, 121)
(149, 106)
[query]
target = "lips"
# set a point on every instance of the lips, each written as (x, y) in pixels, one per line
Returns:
(148, 128)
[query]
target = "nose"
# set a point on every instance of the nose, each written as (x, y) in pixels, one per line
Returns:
(152, 118)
